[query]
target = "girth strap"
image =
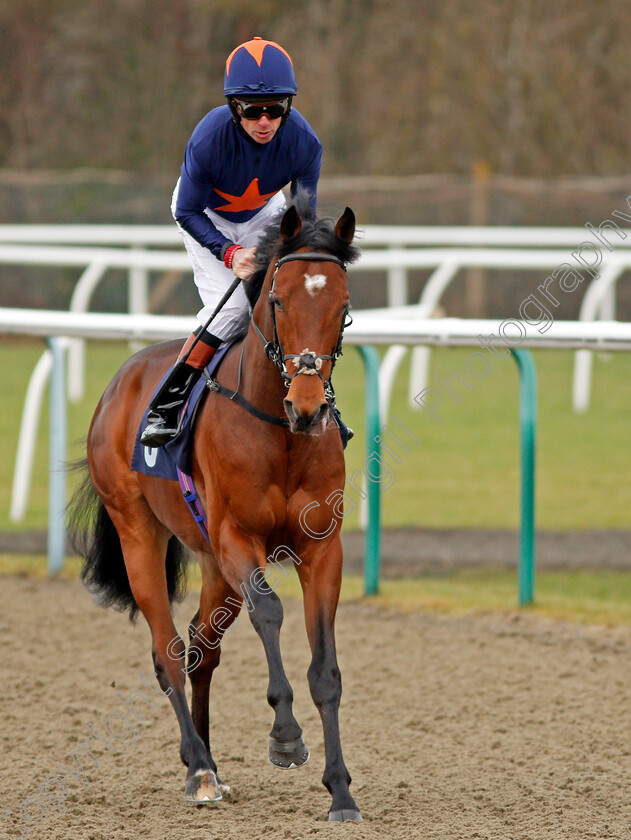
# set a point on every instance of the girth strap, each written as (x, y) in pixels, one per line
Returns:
(235, 396)
(192, 500)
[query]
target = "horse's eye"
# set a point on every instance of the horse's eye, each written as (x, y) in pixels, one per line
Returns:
(276, 301)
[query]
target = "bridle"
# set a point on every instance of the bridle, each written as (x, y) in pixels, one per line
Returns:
(307, 362)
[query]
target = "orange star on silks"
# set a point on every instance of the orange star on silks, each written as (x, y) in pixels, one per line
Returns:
(250, 200)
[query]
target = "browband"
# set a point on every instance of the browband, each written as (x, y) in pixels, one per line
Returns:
(312, 256)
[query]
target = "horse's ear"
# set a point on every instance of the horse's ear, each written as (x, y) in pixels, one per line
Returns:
(291, 224)
(345, 227)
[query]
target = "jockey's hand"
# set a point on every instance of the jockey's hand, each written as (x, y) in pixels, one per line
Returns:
(243, 263)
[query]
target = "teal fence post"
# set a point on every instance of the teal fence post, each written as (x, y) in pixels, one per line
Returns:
(528, 433)
(57, 458)
(370, 358)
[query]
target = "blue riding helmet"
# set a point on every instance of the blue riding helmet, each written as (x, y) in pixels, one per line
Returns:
(259, 68)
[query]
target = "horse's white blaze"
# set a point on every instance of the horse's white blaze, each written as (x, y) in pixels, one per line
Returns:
(314, 282)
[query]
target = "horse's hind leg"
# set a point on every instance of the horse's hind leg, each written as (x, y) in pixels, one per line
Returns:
(144, 549)
(207, 627)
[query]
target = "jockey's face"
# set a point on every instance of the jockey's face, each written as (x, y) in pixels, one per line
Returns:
(263, 128)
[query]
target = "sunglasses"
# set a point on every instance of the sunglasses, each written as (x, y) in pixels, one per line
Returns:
(273, 110)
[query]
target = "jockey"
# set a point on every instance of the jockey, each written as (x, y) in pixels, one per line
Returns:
(236, 163)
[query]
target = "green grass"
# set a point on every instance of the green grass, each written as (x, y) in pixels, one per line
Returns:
(587, 596)
(36, 566)
(18, 360)
(600, 597)
(465, 473)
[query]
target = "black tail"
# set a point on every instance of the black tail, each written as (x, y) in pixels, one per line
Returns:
(95, 538)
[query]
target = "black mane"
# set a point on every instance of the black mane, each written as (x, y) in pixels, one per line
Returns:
(317, 234)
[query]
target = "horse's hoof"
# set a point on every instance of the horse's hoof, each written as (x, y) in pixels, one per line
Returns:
(288, 754)
(202, 788)
(344, 814)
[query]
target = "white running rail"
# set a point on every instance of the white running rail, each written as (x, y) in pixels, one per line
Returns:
(396, 258)
(400, 327)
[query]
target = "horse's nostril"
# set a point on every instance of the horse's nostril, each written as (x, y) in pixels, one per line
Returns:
(322, 412)
(304, 422)
(290, 410)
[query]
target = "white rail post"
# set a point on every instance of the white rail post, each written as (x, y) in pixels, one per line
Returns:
(80, 302)
(28, 436)
(430, 297)
(138, 295)
(57, 458)
(598, 299)
(397, 285)
(387, 373)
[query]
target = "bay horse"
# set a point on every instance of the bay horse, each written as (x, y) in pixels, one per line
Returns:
(255, 474)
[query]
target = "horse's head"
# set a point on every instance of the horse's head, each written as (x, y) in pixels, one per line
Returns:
(307, 295)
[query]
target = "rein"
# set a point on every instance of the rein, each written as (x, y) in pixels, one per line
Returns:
(307, 362)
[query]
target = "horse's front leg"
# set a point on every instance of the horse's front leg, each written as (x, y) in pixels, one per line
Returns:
(320, 575)
(242, 563)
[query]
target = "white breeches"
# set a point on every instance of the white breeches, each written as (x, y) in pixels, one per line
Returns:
(212, 278)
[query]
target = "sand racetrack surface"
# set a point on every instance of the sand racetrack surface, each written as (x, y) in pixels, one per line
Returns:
(498, 728)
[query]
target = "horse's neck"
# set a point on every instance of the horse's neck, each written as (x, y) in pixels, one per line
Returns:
(261, 382)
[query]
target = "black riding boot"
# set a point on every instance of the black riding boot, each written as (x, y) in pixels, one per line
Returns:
(164, 409)
(346, 433)
(163, 419)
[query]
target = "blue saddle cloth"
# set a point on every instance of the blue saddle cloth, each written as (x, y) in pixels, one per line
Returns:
(164, 461)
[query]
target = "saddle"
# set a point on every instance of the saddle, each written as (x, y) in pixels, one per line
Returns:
(173, 461)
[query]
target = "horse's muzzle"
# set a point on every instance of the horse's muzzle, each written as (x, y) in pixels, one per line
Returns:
(306, 423)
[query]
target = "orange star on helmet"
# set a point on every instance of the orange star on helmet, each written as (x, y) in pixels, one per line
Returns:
(255, 47)
(251, 199)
